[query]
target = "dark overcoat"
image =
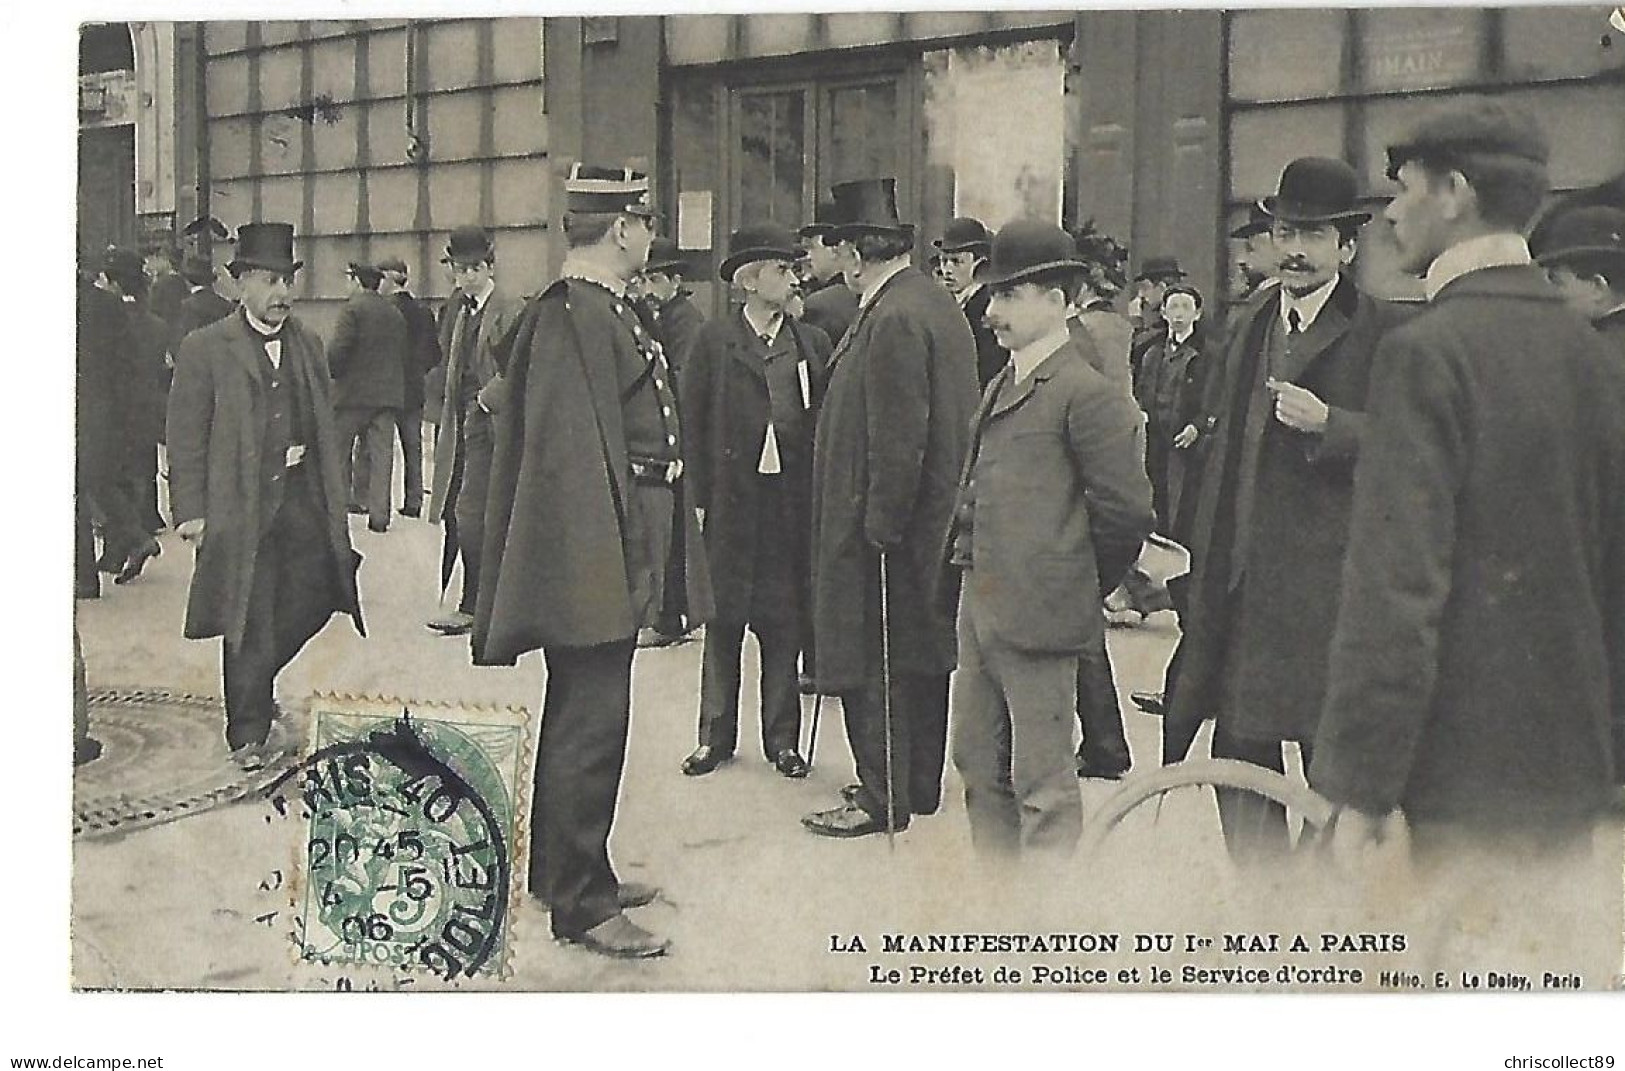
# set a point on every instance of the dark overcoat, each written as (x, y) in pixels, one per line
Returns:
(1060, 502)
(725, 416)
(216, 421)
(165, 297)
(675, 325)
(200, 309)
(1478, 668)
(495, 320)
(990, 356)
(831, 308)
(891, 437)
(365, 354)
(422, 352)
(104, 341)
(568, 540)
(1262, 666)
(144, 392)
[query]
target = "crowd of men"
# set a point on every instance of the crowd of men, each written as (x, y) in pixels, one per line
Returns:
(928, 493)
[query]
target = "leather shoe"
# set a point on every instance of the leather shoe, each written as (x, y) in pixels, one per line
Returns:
(848, 821)
(1150, 702)
(137, 561)
(790, 764)
(456, 623)
(408, 511)
(704, 759)
(630, 894)
(620, 937)
(1091, 767)
(374, 526)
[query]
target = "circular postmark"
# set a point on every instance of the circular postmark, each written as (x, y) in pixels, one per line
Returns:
(407, 862)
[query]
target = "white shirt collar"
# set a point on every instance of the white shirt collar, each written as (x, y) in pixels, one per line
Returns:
(261, 326)
(1030, 356)
(483, 295)
(966, 294)
(1309, 305)
(871, 288)
(1475, 254)
(769, 330)
(575, 268)
(1181, 341)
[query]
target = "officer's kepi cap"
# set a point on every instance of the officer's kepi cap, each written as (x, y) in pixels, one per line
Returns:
(608, 189)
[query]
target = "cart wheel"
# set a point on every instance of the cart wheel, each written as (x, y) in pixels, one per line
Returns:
(1314, 809)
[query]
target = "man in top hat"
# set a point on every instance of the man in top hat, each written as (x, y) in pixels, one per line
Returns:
(422, 353)
(1272, 504)
(962, 247)
(828, 303)
(1478, 669)
(891, 435)
(1584, 256)
(1053, 505)
(474, 318)
(751, 390)
(369, 388)
(587, 502)
(256, 486)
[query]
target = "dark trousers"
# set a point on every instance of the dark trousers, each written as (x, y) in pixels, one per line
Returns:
(369, 478)
(1255, 828)
(470, 480)
(919, 709)
(408, 425)
(289, 601)
(1105, 745)
(122, 530)
(85, 577)
(580, 754)
(141, 485)
(1159, 450)
(719, 687)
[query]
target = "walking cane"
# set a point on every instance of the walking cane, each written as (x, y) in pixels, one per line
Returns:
(812, 741)
(885, 708)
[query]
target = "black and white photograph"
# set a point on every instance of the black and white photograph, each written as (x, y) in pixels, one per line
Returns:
(1114, 503)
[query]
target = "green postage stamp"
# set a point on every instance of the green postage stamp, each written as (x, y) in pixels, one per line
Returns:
(415, 846)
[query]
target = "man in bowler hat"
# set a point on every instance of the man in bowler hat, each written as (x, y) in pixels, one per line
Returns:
(750, 394)
(1478, 670)
(1270, 519)
(474, 318)
(1584, 256)
(587, 502)
(422, 353)
(961, 249)
(1053, 504)
(256, 486)
(828, 303)
(891, 435)
(369, 387)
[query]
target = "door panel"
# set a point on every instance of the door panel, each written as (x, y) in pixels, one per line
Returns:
(774, 162)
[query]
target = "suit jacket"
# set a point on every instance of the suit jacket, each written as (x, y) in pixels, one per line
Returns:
(1262, 666)
(496, 319)
(200, 310)
(1478, 668)
(567, 557)
(365, 354)
(831, 308)
(990, 356)
(725, 417)
(216, 423)
(422, 351)
(891, 437)
(1058, 499)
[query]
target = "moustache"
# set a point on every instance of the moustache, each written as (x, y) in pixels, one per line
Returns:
(1296, 265)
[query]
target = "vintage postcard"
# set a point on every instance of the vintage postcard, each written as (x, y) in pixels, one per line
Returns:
(1103, 501)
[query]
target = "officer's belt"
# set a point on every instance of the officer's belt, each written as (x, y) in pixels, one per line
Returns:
(654, 472)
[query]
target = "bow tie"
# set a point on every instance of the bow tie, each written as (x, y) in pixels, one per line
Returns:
(470, 304)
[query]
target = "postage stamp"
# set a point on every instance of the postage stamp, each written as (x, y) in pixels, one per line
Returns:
(415, 833)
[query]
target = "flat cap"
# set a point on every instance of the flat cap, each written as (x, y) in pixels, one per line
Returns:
(1471, 127)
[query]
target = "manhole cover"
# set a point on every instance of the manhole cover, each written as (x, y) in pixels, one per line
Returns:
(163, 757)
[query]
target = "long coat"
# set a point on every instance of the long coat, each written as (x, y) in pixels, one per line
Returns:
(1262, 668)
(891, 437)
(1478, 669)
(495, 320)
(216, 419)
(1059, 500)
(104, 340)
(566, 560)
(831, 308)
(725, 417)
(200, 309)
(365, 354)
(422, 348)
(990, 356)
(144, 391)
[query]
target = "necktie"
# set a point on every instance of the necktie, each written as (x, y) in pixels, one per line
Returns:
(1294, 322)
